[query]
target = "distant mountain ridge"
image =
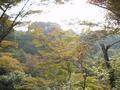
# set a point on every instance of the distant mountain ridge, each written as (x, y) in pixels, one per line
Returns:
(46, 26)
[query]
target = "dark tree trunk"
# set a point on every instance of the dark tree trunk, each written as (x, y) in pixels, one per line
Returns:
(108, 66)
(84, 83)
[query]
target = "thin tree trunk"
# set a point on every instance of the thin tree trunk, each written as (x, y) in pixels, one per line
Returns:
(108, 66)
(84, 83)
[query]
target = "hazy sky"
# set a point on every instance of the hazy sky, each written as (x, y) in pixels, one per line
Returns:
(67, 15)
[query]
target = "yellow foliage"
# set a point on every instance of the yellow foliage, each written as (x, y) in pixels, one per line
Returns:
(31, 83)
(10, 64)
(6, 54)
(35, 81)
(77, 77)
(7, 43)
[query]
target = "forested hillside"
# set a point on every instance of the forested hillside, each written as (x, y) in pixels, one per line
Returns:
(47, 57)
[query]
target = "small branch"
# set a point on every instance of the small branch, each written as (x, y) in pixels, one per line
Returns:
(13, 23)
(113, 43)
(20, 12)
(5, 11)
(2, 8)
(106, 47)
(115, 12)
(24, 14)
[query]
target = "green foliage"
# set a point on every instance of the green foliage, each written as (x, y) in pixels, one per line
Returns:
(11, 81)
(19, 54)
(56, 59)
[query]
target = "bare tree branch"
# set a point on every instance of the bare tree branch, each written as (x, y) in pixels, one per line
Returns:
(113, 44)
(5, 11)
(2, 8)
(13, 23)
(115, 12)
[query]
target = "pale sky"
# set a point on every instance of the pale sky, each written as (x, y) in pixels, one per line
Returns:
(64, 14)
